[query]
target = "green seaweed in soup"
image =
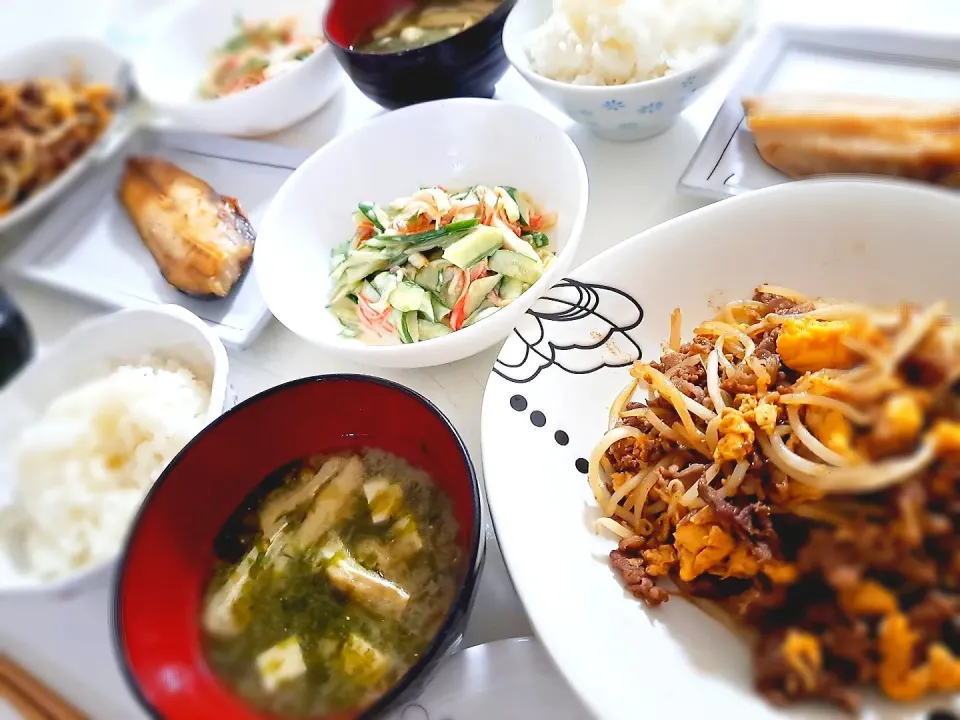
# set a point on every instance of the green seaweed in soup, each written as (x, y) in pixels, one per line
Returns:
(424, 23)
(337, 574)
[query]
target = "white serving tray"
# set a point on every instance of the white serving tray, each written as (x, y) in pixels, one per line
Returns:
(87, 245)
(807, 59)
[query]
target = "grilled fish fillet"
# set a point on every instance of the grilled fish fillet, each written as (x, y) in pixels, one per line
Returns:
(201, 240)
(803, 135)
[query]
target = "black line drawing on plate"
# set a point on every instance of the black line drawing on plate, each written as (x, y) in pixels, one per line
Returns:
(578, 327)
(538, 419)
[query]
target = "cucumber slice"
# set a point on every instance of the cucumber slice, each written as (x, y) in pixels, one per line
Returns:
(440, 311)
(340, 252)
(407, 297)
(474, 246)
(409, 327)
(345, 310)
(361, 263)
(384, 282)
(510, 290)
(429, 277)
(430, 330)
(477, 293)
(426, 307)
(342, 289)
(522, 206)
(369, 211)
(519, 245)
(515, 265)
(508, 199)
(451, 285)
(479, 315)
(537, 239)
(369, 293)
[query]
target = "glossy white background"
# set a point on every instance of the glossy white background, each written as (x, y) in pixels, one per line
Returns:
(633, 187)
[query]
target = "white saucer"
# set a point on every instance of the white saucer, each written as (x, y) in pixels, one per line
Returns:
(502, 680)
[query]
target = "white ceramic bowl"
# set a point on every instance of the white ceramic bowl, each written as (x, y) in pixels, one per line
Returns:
(454, 143)
(90, 351)
(554, 382)
(56, 59)
(636, 111)
(176, 58)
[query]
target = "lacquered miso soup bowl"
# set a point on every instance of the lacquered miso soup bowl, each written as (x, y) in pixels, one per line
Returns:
(468, 64)
(169, 556)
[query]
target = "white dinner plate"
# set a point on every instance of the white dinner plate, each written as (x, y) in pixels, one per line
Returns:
(497, 681)
(884, 63)
(58, 59)
(547, 400)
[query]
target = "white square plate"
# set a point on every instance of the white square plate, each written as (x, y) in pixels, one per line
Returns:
(794, 58)
(88, 246)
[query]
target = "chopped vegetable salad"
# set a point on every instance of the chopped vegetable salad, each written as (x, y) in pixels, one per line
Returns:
(437, 261)
(257, 51)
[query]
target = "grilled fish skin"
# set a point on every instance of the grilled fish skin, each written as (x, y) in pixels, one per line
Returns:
(804, 135)
(202, 241)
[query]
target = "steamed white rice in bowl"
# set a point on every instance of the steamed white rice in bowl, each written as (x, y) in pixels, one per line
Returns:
(617, 42)
(85, 467)
(87, 430)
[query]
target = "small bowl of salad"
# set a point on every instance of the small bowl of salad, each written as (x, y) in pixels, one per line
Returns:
(239, 67)
(433, 252)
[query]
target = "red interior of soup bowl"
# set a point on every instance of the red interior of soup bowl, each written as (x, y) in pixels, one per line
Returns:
(348, 20)
(169, 554)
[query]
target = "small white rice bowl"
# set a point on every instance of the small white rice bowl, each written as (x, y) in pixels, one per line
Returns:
(85, 465)
(617, 42)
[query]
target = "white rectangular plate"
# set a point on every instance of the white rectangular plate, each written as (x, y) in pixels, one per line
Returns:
(802, 59)
(88, 246)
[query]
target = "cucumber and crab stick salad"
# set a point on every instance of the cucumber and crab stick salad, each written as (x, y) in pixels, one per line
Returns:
(436, 262)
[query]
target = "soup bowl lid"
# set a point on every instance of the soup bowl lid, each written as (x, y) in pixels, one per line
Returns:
(169, 555)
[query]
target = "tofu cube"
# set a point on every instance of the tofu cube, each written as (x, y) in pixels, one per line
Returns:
(280, 664)
(406, 539)
(383, 498)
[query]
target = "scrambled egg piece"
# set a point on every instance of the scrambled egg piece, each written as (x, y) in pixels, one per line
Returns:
(803, 654)
(901, 418)
(780, 573)
(868, 598)
(898, 679)
(659, 561)
(758, 412)
(946, 436)
(736, 437)
(741, 563)
(701, 544)
(807, 345)
(832, 429)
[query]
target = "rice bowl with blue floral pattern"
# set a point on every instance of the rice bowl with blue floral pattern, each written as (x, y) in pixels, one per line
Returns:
(631, 110)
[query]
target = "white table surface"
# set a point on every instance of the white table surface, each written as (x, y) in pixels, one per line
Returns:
(632, 188)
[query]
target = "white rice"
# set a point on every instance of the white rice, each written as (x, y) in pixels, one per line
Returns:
(86, 465)
(615, 42)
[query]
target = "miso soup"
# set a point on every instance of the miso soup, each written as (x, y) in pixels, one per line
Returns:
(424, 23)
(333, 579)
